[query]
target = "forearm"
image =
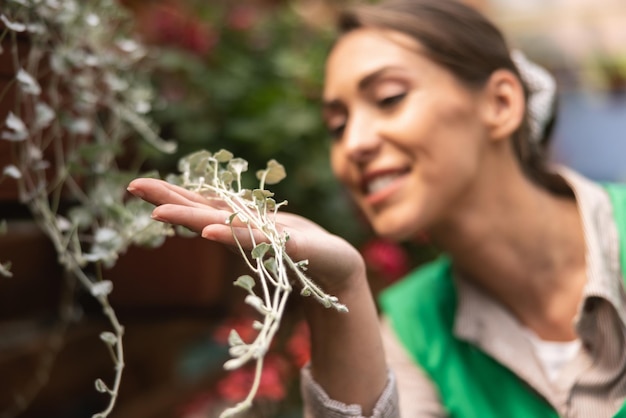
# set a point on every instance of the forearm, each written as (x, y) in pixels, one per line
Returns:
(347, 357)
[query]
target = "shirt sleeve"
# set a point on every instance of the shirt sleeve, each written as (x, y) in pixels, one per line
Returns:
(408, 393)
(417, 394)
(317, 404)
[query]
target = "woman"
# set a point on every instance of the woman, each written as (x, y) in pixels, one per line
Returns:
(525, 314)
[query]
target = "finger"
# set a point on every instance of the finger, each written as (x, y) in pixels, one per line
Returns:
(159, 192)
(248, 238)
(191, 195)
(156, 192)
(194, 218)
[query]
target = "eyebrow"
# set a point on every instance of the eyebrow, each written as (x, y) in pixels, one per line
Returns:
(364, 83)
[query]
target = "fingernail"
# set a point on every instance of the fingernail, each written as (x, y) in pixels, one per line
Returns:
(156, 218)
(135, 192)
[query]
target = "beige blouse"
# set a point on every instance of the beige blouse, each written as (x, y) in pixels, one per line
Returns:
(591, 385)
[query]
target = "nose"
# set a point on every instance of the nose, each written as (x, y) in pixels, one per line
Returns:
(361, 138)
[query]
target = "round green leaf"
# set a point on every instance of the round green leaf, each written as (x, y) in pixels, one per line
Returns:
(245, 282)
(223, 156)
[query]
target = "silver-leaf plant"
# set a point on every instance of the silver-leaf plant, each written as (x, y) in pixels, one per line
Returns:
(80, 91)
(219, 176)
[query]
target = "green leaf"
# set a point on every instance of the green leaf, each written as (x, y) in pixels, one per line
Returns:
(12, 171)
(101, 386)
(274, 172)
(44, 115)
(14, 26)
(81, 216)
(231, 218)
(271, 266)
(101, 288)
(262, 194)
(227, 177)
(270, 203)
(302, 265)
(17, 129)
(260, 250)
(223, 156)
(197, 162)
(5, 269)
(238, 350)
(247, 194)
(27, 83)
(245, 282)
(234, 338)
(235, 363)
(257, 303)
(109, 338)
(238, 165)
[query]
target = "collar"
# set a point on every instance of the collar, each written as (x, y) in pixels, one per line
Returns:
(477, 313)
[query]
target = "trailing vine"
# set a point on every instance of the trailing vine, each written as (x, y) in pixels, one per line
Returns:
(81, 91)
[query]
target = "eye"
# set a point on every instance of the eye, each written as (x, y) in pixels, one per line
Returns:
(336, 131)
(391, 100)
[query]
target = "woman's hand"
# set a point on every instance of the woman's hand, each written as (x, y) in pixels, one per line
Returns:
(347, 358)
(333, 263)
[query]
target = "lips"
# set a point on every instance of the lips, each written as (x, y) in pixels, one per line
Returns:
(375, 183)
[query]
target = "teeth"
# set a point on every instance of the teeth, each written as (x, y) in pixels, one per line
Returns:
(380, 183)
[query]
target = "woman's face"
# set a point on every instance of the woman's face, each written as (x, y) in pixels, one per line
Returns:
(407, 135)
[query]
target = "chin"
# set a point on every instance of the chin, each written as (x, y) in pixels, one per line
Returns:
(400, 226)
(395, 233)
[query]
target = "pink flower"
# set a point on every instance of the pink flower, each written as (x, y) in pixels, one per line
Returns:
(386, 259)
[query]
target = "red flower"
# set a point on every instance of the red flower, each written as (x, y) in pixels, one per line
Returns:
(236, 384)
(168, 24)
(386, 258)
(242, 17)
(299, 344)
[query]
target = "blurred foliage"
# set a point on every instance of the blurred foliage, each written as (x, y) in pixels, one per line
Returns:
(249, 79)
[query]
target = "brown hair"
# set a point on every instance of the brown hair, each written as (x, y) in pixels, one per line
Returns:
(462, 40)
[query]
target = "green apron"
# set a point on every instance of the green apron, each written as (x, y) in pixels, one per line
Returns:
(472, 384)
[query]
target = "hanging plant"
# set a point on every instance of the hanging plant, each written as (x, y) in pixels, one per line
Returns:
(81, 93)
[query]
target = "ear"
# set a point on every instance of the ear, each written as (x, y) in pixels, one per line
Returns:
(503, 105)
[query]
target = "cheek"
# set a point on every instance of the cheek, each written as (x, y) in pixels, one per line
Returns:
(458, 136)
(451, 150)
(338, 163)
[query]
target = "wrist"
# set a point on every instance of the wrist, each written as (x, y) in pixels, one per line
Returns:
(346, 290)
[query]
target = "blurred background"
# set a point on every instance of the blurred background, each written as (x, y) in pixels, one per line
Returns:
(582, 43)
(246, 76)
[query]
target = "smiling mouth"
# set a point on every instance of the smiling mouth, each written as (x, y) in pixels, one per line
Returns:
(381, 182)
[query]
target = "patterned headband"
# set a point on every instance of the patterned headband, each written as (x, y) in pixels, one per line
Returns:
(541, 102)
